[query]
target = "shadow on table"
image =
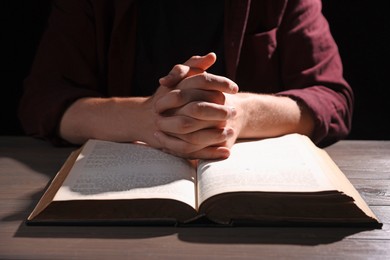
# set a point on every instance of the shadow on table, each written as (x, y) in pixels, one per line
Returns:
(210, 235)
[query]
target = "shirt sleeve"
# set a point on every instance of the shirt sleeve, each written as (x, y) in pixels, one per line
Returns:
(312, 70)
(65, 69)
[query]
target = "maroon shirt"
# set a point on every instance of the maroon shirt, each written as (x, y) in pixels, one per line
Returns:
(271, 46)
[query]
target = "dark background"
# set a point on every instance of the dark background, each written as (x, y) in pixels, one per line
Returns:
(360, 29)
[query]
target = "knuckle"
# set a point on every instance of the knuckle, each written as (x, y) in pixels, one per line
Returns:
(216, 82)
(178, 69)
(195, 57)
(184, 124)
(197, 108)
(203, 78)
(178, 96)
(207, 77)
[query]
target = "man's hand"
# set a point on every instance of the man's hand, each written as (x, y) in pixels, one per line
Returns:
(194, 116)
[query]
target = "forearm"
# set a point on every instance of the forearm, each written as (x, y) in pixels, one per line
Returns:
(269, 116)
(114, 119)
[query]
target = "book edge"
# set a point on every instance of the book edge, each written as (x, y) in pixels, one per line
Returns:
(55, 185)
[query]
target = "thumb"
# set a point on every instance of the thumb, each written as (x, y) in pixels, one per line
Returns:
(202, 62)
(194, 65)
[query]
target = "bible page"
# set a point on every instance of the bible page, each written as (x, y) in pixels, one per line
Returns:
(110, 171)
(282, 164)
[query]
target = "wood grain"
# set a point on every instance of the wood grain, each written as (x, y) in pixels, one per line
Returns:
(27, 166)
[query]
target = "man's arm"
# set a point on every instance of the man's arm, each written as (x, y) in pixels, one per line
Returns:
(198, 127)
(127, 119)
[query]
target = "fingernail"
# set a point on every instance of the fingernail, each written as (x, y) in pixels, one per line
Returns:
(234, 88)
(228, 132)
(224, 153)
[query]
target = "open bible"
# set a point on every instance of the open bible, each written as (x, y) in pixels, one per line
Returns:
(277, 181)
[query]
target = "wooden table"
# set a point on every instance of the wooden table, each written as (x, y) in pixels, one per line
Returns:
(27, 166)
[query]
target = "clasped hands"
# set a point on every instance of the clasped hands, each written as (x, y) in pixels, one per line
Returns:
(193, 114)
(196, 113)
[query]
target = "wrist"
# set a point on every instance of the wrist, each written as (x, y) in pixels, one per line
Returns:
(112, 119)
(133, 119)
(269, 116)
(244, 106)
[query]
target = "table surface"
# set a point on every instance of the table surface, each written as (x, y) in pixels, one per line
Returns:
(27, 165)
